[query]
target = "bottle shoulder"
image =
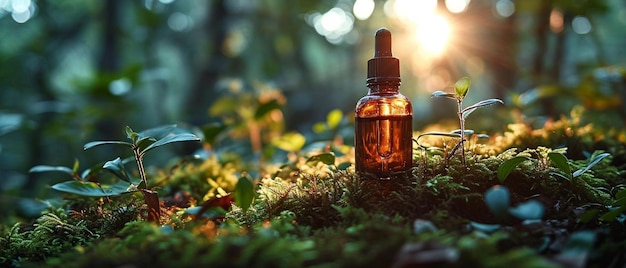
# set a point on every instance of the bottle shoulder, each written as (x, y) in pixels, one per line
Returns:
(373, 105)
(383, 97)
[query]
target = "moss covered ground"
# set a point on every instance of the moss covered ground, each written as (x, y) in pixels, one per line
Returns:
(315, 214)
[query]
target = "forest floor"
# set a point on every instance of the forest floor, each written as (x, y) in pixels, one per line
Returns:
(516, 202)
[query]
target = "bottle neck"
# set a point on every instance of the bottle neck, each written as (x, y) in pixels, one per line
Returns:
(384, 88)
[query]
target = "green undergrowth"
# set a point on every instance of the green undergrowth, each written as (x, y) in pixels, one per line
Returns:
(313, 212)
(433, 216)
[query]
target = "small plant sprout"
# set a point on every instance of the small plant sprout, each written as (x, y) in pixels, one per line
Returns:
(86, 183)
(140, 143)
(461, 88)
(557, 159)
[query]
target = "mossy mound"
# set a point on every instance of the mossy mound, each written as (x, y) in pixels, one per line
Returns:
(316, 214)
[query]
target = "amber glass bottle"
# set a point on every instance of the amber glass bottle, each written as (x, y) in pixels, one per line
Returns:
(383, 118)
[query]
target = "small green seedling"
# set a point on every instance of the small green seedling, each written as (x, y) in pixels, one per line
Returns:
(615, 210)
(461, 88)
(558, 160)
(140, 143)
(87, 184)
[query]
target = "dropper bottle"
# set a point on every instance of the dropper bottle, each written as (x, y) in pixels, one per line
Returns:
(383, 118)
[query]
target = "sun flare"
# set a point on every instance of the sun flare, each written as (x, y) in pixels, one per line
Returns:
(430, 29)
(433, 33)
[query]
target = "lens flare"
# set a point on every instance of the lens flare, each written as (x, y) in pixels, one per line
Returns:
(433, 34)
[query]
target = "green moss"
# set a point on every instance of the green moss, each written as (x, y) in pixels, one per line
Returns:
(203, 180)
(52, 234)
(143, 244)
(311, 214)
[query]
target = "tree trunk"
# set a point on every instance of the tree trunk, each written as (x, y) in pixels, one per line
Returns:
(560, 48)
(542, 30)
(108, 61)
(202, 93)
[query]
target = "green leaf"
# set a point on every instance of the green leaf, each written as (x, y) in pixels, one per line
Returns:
(467, 111)
(42, 168)
(458, 132)
(482, 136)
(498, 200)
(612, 214)
(266, 108)
(560, 161)
(531, 210)
(319, 127)
(212, 213)
(290, 142)
(334, 118)
(224, 105)
(76, 166)
(211, 131)
(620, 202)
(244, 193)
(621, 194)
(559, 175)
(439, 94)
(588, 215)
(86, 173)
(344, 166)
(326, 158)
(87, 188)
(461, 87)
(171, 139)
(92, 144)
(116, 167)
(444, 134)
(581, 242)
(157, 132)
(486, 228)
(144, 142)
(593, 162)
(508, 166)
(132, 135)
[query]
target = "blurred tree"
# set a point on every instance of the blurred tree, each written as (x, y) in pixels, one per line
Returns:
(216, 65)
(553, 33)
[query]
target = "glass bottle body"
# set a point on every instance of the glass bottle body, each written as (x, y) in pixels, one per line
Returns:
(383, 132)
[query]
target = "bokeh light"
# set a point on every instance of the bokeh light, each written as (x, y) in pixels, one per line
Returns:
(120, 86)
(179, 22)
(505, 8)
(335, 24)
(457, 6)
(363, 9)
(581, 25)
(556, 21)
(410, 10)
(21, 10)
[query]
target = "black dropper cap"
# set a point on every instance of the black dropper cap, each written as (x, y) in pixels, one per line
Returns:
(383, 67)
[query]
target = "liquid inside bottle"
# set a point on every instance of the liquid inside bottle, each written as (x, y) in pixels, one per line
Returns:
(382, 148)
(383, 118)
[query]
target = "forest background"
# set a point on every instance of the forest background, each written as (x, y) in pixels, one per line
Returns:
(76, 71)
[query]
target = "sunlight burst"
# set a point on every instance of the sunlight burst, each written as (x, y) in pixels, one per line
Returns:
(433, 33)
(431, 30)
